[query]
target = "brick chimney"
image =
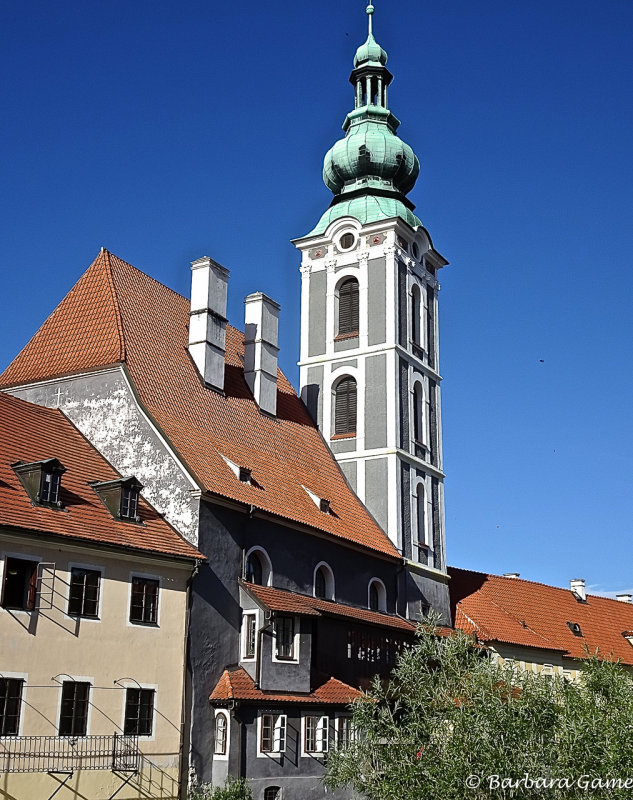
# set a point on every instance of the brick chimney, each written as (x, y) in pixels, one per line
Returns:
(207, 320)
(261, 321)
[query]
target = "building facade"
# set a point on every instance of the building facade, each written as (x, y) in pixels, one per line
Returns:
(93, 613)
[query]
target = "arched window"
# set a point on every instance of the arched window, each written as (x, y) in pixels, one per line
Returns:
(377, 599)
(348, 306)
(272, 793)
(417, 413)
(324, 582)
(221, 730)
(345, 406)
(416, 303)
(257, 567)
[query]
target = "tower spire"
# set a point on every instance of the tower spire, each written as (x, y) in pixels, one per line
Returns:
(370, 13)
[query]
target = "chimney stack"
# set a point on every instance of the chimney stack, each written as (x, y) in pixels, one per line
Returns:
(511, 574)
(624, 597)
(577, 585)
(207, 320)
(261, 321)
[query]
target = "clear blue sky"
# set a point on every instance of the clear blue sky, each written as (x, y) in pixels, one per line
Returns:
(165, 131)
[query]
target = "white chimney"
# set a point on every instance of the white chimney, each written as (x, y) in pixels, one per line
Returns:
(207, 320)
(511, 574)
(577, 585)
(624, 597)
(261, 322)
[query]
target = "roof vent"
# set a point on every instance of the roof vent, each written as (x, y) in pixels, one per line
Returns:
(245, 474)
(511, 574)
(577, 586)
(207, 320)
(624, 597)
(628, 635)
(321, 502)
(575, 628)
(324, 505)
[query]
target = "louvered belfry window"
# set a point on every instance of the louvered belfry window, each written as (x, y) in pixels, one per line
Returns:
(345, 407)
(348, 306)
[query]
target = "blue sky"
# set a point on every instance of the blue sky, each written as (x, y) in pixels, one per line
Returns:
(165, 131)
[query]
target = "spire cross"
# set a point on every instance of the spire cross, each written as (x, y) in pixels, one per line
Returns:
(370, 11)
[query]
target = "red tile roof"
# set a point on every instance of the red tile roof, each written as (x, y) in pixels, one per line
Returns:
(520, 612)
(116, 313)
(237, 684)
(31, 433)
(294, 603)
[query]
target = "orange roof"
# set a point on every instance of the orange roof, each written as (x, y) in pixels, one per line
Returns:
(237, 684)
(293, 603)
(520, 612)
(117, 314)
(31, 433)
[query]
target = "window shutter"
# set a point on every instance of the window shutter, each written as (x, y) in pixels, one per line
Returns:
(322, 734)
(280, 734)
(348, 306)
(345, 407)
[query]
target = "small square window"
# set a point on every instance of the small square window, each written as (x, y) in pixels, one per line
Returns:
(10, 704)
(19, 584)
(83, 600)
(139, 712)
(73, 717)
(144, 600)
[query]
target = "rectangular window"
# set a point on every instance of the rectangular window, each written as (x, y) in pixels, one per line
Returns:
(73, 716)
(129, 502)
(139, 712)
(84, 592)
(285, 637)
(344, 732)
(19, 585)
(144, 600)
(10, 702)
(273, 733)
(315, 733)
(250, 635)
(49, 487)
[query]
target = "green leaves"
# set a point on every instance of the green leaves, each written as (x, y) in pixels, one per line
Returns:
(451, 712)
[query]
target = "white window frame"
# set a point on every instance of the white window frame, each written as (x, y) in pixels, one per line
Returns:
(96, 568)
(321, 735)
(330, 585)
(280, 734)
(382, 595)
(152, 577)
(338, 721)
(220, 712)
(154, 688)
(267, 564)
(24, 677)
(295, 643)
(252, 612)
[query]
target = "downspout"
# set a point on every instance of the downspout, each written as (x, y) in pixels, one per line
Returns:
(183, 755)
(258, 665)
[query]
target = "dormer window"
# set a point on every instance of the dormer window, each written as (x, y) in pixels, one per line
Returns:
(245, 475)
(628, 635)
(42, 480)
(324, 505)
(575, 628)
(120, 497)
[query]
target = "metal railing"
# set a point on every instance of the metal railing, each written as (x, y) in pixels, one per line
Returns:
(118, 753)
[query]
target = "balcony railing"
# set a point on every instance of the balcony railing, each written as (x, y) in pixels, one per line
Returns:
(69, 753)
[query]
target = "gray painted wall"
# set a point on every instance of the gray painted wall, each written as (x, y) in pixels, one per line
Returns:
(376, 401)
(377, 300)
(316, 311)
(376, 498)
(312, 394)
(349, 469)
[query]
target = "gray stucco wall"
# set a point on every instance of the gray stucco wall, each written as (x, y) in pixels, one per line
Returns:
(349, 470)
(104, 409)
(316, 311)
(376, 401)
(405, 509)
(403, 306)
(346, 344)
(376, 496)
(343, 445)
(377, 300)
(424, 591)
(403, 403)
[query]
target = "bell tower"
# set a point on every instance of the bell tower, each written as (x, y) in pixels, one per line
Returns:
(369, 363)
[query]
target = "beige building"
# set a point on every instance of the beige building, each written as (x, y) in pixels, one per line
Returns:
(93, 620)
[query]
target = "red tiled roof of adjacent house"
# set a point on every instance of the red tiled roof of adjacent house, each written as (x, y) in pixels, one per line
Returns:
(31, 433)
(294, 603)
(117, 314)
(237, 684)
(520, 612)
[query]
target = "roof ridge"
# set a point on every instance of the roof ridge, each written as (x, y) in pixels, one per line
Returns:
(115, 300)
(505, 611)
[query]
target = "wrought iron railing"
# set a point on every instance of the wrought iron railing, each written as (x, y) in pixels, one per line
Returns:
(69, 753)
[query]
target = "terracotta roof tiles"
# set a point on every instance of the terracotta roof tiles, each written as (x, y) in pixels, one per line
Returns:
(520, 612)
(117, 314)
(237, 684)
(31, 433)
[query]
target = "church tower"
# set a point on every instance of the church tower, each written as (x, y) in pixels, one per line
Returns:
(369, 364)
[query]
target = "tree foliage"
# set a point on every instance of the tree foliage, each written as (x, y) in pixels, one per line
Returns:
(450, 712)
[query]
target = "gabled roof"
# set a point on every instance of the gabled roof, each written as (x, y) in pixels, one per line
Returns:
(301, 604)
(30, 433)
(519, 612)
(237, 684)
(117, 314)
